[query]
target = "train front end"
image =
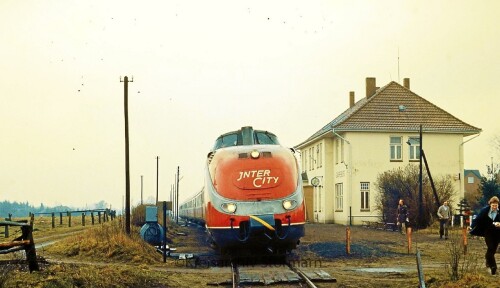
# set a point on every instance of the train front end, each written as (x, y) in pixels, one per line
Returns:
(255, 196)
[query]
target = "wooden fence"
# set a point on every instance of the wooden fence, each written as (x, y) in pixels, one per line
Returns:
(24, 242)
(101, 215)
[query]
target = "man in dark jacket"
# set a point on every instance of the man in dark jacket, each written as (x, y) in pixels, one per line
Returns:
(402, 217)
(487, 225)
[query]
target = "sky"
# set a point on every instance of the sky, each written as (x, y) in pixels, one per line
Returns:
(203, 68)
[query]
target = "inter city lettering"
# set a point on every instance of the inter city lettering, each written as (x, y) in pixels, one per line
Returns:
(260, 177)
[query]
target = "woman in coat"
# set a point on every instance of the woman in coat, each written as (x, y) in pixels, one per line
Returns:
(487, 225)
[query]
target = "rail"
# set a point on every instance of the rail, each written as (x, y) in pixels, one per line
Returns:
(235, 274)
(304, 277)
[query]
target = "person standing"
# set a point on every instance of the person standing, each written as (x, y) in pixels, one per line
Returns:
(402, 220)
(444, 215)
(487, 225)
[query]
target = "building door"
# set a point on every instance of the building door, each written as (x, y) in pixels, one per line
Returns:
(309, 200)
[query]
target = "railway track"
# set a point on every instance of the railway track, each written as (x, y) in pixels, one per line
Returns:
(284, 273)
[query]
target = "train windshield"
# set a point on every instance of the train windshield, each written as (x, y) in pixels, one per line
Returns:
(246, 136)
(226, 140)
(264, 137)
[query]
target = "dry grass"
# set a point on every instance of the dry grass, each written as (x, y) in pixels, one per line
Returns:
(106, 243)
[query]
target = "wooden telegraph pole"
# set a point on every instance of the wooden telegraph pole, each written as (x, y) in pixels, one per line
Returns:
(420, 194)
(157, 169)
(177, 199)
(127, 164)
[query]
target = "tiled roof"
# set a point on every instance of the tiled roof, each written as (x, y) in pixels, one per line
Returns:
(475, 172)
(381, 112)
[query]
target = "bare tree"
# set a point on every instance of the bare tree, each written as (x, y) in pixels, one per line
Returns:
(402, 183)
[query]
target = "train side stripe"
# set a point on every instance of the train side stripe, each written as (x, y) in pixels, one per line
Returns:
(229, 227)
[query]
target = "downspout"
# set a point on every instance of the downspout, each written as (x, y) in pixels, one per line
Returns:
(349, 174)
(460, 163)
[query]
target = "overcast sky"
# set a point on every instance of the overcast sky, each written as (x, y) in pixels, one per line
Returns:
(203, 68)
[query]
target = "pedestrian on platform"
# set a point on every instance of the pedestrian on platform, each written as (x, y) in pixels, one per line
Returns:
(402, 218)
(444, 215)
(487, 225)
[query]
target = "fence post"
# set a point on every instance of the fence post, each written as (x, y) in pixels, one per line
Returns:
(69, 218)
(53, 220)
(99, 214)
(408, 235)
(92, 216)
(348, 240)
(7, 229)
(30, 250)
(464, 237)
(60, 218)
(83, 218)
(421, 278)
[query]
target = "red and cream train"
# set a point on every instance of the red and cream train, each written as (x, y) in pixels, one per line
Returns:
(253, 197)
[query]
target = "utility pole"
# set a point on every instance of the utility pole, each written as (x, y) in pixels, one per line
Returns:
(157, 169)
(177, 197)
(420, 195)
(127, 164)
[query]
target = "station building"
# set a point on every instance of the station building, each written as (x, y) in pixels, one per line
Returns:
(380, 132)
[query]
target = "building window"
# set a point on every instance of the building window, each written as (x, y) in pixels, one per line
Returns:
(414, 143)
(365, 196)
(318, 205)
(396, 147)
(319, 155)
(311, 158)
(337, 148)
(339, 197)
(342, 151)
(304, 161)
(470, 180)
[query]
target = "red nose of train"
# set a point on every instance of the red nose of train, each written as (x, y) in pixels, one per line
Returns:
(268, 172)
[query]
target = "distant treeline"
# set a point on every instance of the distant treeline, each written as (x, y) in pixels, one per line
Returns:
(20, 209)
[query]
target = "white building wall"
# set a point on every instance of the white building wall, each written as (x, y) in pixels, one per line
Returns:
(371, 156)
(365, 156)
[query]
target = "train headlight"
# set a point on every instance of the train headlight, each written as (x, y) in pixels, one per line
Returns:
(229, 207)
(289, 204)
(255, 154)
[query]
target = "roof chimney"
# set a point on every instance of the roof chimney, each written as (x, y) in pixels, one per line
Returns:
(370, 87)
(406, 83)
(351, 99)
